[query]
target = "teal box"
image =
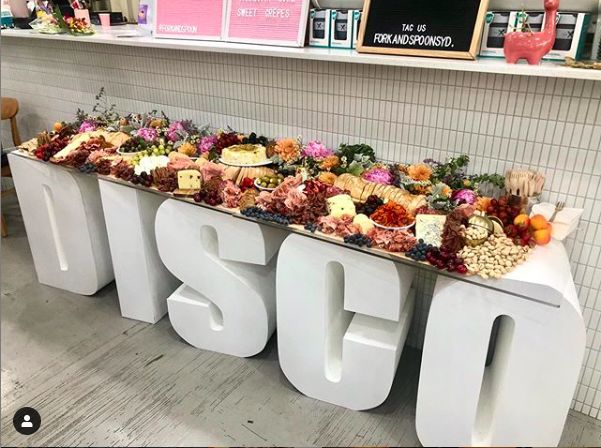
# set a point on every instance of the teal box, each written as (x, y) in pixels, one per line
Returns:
(319, 27)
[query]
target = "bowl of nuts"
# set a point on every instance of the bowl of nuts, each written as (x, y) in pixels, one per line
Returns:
(478, 230)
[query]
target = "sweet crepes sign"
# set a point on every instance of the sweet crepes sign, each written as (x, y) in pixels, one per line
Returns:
(269, 22)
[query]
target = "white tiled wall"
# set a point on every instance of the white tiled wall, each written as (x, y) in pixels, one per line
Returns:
(501, 121)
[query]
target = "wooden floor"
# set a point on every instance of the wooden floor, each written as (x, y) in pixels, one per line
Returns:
(98, 379)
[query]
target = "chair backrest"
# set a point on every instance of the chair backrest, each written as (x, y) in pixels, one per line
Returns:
(10, 107)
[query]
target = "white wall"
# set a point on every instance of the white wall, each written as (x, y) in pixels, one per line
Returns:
(553, 125)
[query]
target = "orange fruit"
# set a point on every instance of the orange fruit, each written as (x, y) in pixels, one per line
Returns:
(521, 221)
(542, 236)
(539, 222)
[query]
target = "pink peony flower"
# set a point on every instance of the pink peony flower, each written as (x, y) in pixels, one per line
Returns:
(148, 134)
(378, 176)
(177, 131)
(207, 143)
(317, 150)
(464, 196)
(87, 126)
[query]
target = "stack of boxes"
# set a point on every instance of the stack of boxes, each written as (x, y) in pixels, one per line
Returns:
(571, 32)
(334, 28)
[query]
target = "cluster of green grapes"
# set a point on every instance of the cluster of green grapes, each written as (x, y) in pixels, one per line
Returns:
(158, 148)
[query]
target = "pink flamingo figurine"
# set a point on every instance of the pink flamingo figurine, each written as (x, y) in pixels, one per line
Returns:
(533, 46)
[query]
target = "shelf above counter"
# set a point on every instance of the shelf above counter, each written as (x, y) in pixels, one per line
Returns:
(126, 36)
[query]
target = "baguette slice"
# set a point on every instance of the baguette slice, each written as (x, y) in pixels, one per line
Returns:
(368, 191)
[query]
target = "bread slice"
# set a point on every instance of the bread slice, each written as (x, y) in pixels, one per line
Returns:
(368, 190)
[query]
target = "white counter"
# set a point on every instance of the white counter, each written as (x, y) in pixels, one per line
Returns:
(127, 35)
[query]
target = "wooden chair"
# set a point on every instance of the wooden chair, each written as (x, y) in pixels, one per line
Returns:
(10, 108)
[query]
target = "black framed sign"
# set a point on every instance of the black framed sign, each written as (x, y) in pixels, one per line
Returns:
(445, 29)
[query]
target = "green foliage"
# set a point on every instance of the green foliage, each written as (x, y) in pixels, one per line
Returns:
(452, 172)
(355, 159)
(102, 113)
(351, 151)
(495, 179)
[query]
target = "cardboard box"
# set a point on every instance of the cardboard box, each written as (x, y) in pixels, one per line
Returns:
(146, 12)
(496, 25)
(357, 14)
(341, 28)
(571, 36)
(571, 32)
(319, 27)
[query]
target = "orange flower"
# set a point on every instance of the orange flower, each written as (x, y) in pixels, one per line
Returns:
(329, 162)
(421, 171)
(482, 203)
(446, 190)
(288, 149)
(421, 189)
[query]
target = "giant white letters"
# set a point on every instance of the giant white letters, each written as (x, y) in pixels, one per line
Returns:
(227, 301)
(143, 282)
(343, 318)
(65, 225)
(522, 397)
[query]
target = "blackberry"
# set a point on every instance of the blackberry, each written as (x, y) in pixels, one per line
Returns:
(419, 251)
(370, 205)
(258, 213)
(87, 168)
(311, 227)
(358, 239)
(143, 179)
(255, 140)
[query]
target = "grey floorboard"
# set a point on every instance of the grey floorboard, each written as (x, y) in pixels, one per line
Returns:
(101, 380)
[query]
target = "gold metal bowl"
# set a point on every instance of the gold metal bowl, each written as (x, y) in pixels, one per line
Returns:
(481, 222)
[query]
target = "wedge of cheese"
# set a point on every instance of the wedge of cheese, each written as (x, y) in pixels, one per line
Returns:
(341, 205)
(363, 222)
(189, 180)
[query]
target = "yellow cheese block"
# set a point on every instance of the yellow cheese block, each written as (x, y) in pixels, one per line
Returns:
(364, 222)
(341, 205)
(188, 180)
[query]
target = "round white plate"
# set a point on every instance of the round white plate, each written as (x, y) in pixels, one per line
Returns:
(129, 154)
(262, 188)
(392, 228)
(263, 163)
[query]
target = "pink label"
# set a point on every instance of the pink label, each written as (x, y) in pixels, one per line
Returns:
(189, 17)
(268, 20)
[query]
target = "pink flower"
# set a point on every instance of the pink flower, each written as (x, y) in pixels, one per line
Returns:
(207, 143)
(148, 134)
(317, 150)
(378, 176)
(464, 196)
(175, 131)
(87, 126)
